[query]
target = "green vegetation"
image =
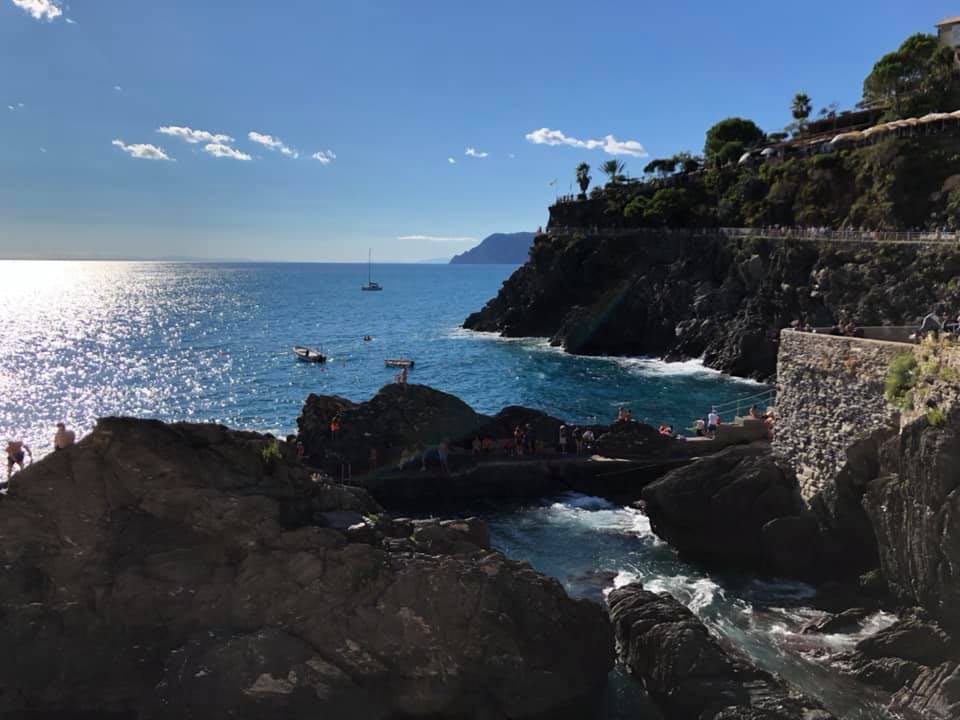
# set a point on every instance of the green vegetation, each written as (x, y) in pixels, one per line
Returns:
(936, 417)
(894, 183)
(918, 77)
(270, 453)
(901, 378)
(731, 137)
(613, 169)
(583, 178)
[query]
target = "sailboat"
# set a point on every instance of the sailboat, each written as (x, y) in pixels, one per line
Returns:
(371, 285)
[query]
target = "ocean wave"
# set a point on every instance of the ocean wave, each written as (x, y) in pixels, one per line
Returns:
(586, 502)
(645, 366)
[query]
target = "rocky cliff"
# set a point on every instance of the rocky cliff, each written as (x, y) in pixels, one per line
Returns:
(676, 294)
(188, 571)
(497, 249)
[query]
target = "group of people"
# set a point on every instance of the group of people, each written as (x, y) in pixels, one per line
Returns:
(937, 322)
(572, 435)
(18, 451)
(624, 415)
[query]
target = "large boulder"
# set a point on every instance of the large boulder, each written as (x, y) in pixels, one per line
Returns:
(738, 508)
(189, 571)
(686, 669)
(635, 439)
(397, 423)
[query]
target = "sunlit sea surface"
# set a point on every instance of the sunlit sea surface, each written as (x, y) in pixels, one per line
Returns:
(213, 343)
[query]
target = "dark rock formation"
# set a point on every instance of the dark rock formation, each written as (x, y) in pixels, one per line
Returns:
(635, 439)
(737, 508)
(497, 249)
(686, 669)
(188, 571)
(674, 294)
(398, 422)
(914, 508)
(917, 660)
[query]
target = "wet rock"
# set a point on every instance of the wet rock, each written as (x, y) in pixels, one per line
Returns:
(848, 621)
(686, 669)
(164, 571)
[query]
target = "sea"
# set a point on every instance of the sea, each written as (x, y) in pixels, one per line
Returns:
(212, 342)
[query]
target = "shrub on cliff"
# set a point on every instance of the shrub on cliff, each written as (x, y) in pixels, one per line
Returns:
(731, 130)
(901, 377)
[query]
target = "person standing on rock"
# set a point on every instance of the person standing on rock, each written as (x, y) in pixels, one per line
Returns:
(442, 454)
(563, 440)
(15, 455)
(713, 422)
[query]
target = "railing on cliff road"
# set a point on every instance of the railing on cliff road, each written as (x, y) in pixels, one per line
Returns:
(891, 237)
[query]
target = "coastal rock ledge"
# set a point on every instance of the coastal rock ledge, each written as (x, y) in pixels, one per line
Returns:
(190, 571)
(687, 671)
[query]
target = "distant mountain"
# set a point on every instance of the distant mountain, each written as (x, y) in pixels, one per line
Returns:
(498, 249)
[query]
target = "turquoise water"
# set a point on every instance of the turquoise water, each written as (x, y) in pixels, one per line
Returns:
(213, 343)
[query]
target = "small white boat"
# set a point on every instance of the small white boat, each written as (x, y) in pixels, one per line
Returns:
(371, 285)
(399, 362)
(309, 354)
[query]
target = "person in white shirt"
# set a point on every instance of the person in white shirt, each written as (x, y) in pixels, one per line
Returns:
(713, 422)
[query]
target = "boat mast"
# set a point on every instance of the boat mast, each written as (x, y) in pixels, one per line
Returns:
(369, 260)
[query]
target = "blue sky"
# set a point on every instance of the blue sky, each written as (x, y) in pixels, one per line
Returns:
(393, 94)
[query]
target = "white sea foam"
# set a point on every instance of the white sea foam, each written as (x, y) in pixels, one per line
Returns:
(587, 502)
(644, 366)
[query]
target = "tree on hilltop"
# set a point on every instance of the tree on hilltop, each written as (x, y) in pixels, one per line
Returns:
(613, 169)
(800, 108)
(583, 178)
(732, 130)
(918, 77)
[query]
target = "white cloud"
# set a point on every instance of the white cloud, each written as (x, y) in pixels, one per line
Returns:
(473, 152)
(40, 9)
(609, 144)
(511, 156)
(436, 238)
(10, 107)
(192, 136)
(451, 161)
(142, 151)
(43, 150)
(118, 88)
(272, 143)
(20, 105)
(70, 21)
(225, 151)
(325, 157)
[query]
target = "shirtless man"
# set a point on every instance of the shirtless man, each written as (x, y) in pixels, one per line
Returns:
(63, 438)
(15, 450)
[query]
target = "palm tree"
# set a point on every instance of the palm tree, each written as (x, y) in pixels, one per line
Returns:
(800, 108)
(613, 169)
(583, 177)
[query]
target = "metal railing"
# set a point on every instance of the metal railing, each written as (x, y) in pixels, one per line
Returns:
(891, 237)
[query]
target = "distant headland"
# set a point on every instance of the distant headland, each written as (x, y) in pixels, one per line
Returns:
(498, 249)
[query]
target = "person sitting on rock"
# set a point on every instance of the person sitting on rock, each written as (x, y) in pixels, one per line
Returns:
(621, 415)
(754, 412)
(63, 438)
(699, 427)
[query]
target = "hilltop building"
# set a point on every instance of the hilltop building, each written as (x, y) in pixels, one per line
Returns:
(949, 32)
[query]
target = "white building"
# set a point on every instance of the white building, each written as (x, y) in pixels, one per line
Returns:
(949, 33)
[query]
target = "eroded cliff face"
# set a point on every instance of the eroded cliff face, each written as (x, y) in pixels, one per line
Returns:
(183, 571)
(678, 295)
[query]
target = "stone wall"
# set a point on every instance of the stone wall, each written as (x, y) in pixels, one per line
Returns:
(829, 394)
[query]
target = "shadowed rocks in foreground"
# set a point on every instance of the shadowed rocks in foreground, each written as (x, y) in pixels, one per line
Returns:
(686, 670)
(179, 571)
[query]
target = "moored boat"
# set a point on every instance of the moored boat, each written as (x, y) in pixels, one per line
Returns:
(399, 362)
(309, 354)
